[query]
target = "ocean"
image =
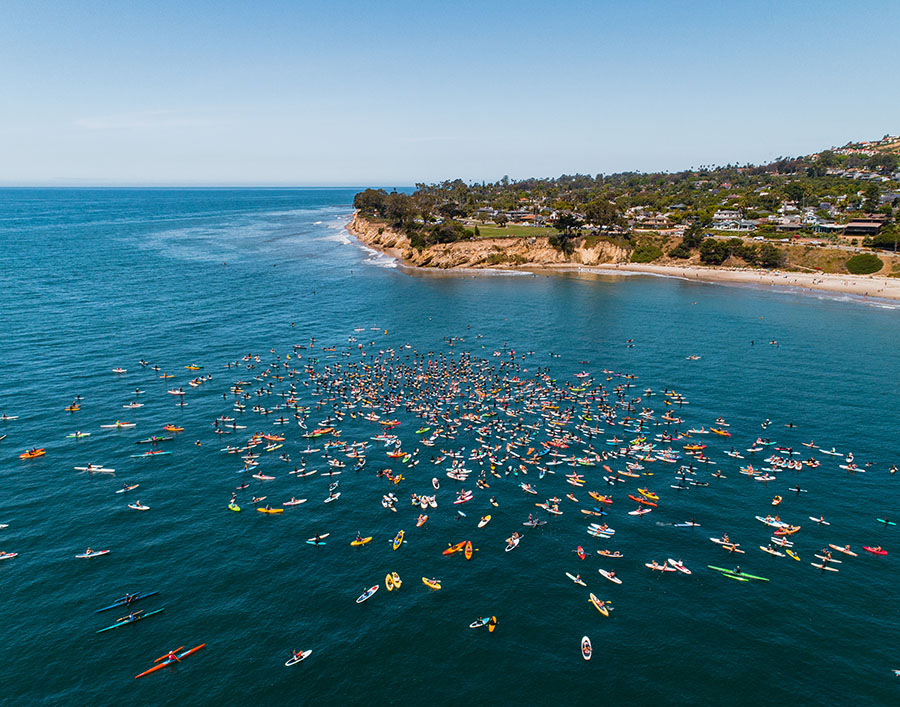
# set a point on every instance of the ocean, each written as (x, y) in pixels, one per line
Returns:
(95, 279)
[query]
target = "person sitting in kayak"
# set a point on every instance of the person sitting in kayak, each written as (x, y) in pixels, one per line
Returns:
(725, 539)
(737, 570)
(296, 655)
(88, 551)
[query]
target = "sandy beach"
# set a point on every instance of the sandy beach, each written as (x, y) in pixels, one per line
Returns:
(394, 245)
(858, 285)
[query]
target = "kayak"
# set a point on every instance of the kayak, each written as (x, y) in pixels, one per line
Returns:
(875, 550)
(318, 541)
(33, 454)
(398, 540)
(580, 552)
(886, 522)
(294, 502)
(124, 489)
(152, 453)
(138, 507)
(167, 661)
(389, 582)
(610, 576)
(124, 601)
(484, 521)
(741, 575)
(270, 510)
(824, 567)
(97, 553)
(451, 549)
(468, 550)
(92, 468)
(366, 594)
(586, 648)
(361, 541)
(126, 620)
(575, 579)
(600, 606)
(820, 521)
(845, 550)
(792, 554)
(303, 655)
(396, 579)
(478, 623)
(678, 565)
(234, 507)
(431, 583)
(492, 624)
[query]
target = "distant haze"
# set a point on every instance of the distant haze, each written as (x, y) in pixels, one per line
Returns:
(337, 93)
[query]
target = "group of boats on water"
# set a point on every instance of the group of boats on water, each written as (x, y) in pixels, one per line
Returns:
(454, 432)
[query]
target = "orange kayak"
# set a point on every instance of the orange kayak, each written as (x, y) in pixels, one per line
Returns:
(166, 661)
(468, 550)
(33, 453)
(455, 548)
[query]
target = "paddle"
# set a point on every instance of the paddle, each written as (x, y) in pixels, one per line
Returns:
(163, 657)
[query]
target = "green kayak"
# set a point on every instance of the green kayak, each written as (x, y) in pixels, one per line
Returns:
(740, 575)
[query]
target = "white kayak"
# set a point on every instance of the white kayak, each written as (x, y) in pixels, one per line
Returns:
(98, 468)
(610, 576)
(297, 658)
(368, 593)
(138, 507)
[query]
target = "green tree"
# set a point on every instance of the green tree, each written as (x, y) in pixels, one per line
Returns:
(601, 212)
(567, 224)
(870, 194)
(770, 256)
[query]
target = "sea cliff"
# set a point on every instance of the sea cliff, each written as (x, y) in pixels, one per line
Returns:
(513, 252)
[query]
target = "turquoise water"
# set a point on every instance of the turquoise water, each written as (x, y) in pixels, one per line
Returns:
(95, 279)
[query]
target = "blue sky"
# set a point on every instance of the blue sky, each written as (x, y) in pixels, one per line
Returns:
(346, 92)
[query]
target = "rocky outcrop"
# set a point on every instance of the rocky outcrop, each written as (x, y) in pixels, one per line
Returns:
(518, 252)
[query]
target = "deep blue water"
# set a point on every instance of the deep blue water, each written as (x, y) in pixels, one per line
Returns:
(95, 279)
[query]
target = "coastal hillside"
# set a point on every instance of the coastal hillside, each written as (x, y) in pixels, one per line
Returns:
(835, 211)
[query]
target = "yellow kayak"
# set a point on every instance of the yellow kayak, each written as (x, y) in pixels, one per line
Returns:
(431, 583)
(398, 541)
(389, 582)
(600, 606)
(270, 510)
(396, 579)
(361, 541)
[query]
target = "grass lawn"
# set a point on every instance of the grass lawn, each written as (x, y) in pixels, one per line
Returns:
(494, 231)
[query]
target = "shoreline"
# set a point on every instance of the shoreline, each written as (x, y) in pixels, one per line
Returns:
(861, 286)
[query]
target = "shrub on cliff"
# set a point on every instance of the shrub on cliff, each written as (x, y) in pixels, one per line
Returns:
(864, 264)
(713, 252)
(646, 253)
(681, 251)
(770, 256)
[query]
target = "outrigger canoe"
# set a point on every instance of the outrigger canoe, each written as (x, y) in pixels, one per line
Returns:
(126, 601)
(168, 661)
(128, 620)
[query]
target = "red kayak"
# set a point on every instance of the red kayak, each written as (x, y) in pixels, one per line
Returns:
(580, 552)
(875, 550)
(455, 548)
(166, 661)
